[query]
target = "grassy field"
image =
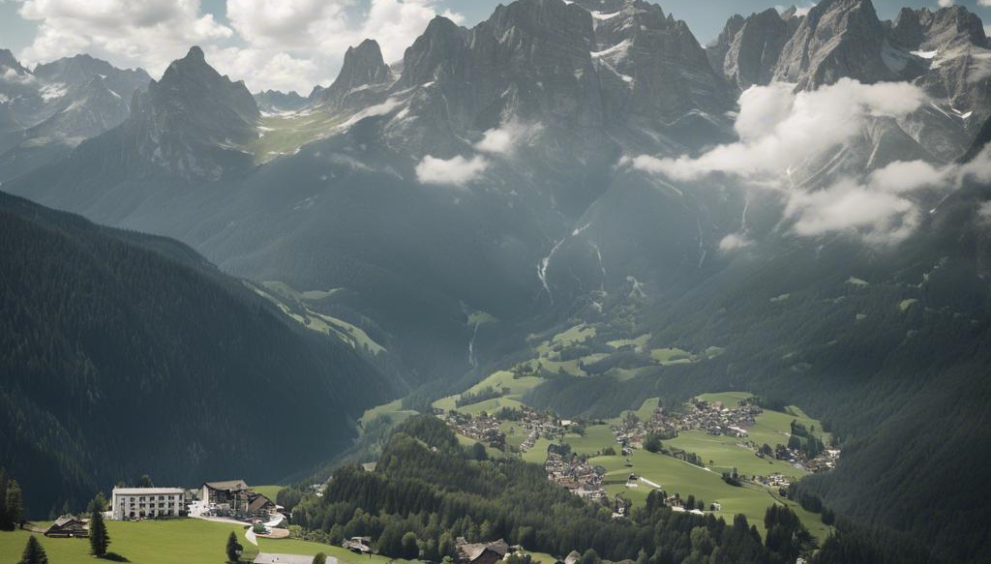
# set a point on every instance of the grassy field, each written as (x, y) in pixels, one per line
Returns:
(676, 476)
(189, 541)
(268, 491)
(596, 438)
(347, 332)
(638, 344)
(185, 541)
(283, 134)
(498, 380)
(393, 409)
(671, 356)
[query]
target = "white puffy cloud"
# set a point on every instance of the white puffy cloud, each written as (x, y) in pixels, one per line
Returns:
(780, 129)
(944, 3)
(458, 171)
(146, 33)
(879, 216)
(504, 140)
(281, 44)
(735, 241)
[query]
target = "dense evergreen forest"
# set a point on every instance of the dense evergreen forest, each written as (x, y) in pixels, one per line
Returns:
(429, 490)
(123, 354)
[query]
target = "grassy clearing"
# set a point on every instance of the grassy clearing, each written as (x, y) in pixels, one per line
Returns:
(905, 304)
(190, 541)
(671, 356)
(268, 491)
(392, 409)
(725, 452)
(638, 343)
(347, 332)
(284, 133)
(596, 438)
(468, 441)
(676, 476)
(499, 380)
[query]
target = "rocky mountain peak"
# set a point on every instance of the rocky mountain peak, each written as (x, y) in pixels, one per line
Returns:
(363, 67)
(437, 54)
(8, 60)
(193, 120)
(947, 27)
(838, 38)
(751, 53)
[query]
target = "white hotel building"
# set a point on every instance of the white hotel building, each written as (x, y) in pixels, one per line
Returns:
(148, 503)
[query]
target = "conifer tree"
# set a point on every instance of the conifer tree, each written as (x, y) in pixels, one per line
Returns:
(15, 506)
(3, 500)
(34, 553)
(234, 548)
(99, 539)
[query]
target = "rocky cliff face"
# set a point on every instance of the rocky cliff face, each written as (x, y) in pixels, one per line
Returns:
(754, 50)
(951, 47)
(837, 39)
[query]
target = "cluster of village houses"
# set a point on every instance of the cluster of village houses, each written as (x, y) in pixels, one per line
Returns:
(486, 428)
(575, 474)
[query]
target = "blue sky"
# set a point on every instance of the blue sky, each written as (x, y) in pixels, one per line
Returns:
(284, 44)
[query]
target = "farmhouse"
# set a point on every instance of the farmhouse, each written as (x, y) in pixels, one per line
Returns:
(358, 545)
(68, 526)
(147, 503)
(480, 553)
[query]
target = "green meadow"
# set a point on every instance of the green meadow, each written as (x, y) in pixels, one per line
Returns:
(185, 541)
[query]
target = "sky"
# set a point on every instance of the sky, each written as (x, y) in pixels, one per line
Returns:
(287, 44)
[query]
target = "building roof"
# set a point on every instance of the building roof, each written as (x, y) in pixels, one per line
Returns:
(473, 551)
(228, 485)
(273, 558)
(66, 520)
(149, 491)
(258, 503)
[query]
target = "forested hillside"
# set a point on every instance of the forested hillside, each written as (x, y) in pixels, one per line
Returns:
(123, 354)
(427, 490)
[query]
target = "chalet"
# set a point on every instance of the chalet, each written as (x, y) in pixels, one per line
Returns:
(259, 506)
(358, 545)
(231, 495)
(480, 553)
(67, 526)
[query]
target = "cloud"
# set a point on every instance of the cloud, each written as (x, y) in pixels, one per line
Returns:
(780, 129)
(504, 140)
(735, 241)
(281, 44)
(460, 171)
(146, 33)
(457, 171)
(984, 213)
(944, 3)
(800, 11)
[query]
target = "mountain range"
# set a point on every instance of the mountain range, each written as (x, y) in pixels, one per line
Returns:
(566, 161)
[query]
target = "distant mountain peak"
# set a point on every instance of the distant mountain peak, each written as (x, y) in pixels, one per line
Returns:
(363, 67)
